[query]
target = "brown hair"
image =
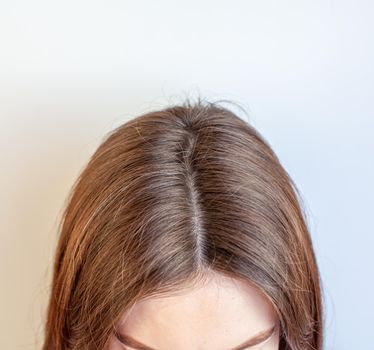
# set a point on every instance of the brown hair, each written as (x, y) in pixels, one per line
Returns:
(167, 197)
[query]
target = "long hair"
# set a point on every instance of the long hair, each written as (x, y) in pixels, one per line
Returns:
(167, 197)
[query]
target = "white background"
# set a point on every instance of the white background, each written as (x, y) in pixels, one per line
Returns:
(70, 71)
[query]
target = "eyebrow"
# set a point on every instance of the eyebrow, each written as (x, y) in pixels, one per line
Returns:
(255, 340)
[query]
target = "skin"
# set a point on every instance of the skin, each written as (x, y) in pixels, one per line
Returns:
(219, 315)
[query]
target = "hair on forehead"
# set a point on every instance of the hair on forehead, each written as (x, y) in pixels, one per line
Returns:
(166, 198)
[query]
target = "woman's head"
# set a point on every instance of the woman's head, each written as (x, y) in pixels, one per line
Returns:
(174, 205)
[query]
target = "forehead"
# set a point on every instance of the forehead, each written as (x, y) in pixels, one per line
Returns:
(217, 315)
